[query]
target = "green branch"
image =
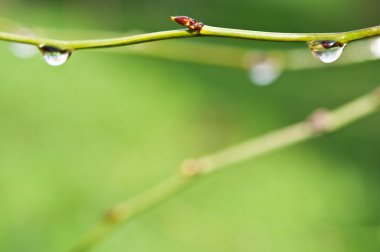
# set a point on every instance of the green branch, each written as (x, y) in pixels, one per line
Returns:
(214, 54)
(343, 37)
(96, 43)
(322, 121)
(193, 31)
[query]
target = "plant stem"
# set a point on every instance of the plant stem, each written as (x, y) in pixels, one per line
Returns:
(96, 43)
(192, 170)
(343, 37)
(206, 31)
(217, 54)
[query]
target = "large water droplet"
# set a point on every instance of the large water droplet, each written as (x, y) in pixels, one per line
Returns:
(55, 56)
(265, 70)
(375, 47)
(326, 51)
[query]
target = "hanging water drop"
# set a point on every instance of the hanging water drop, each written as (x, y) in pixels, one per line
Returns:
(375, 47)
(326, 51)
(55, 56)
(265, 70)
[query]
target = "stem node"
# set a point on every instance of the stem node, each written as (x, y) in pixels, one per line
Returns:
(116, 214)
(192, 167)
(320, 121)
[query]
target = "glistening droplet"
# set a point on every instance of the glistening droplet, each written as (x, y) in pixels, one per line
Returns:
(265, 70)
(326, 51)
(375, 47)
(55, 56)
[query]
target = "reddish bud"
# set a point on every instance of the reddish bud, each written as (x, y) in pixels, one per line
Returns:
(190, 23)
(182, 20)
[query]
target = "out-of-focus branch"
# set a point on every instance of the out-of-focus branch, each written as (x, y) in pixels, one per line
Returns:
(243, 57)
(322, 121)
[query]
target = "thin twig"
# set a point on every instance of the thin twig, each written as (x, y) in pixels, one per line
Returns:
(322, 121)
(204, 30)
(215, 54)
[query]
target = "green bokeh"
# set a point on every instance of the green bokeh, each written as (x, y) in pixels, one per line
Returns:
(76, 139)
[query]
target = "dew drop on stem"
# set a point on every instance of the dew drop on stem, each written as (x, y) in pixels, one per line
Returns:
(55, 56)
(326, 51)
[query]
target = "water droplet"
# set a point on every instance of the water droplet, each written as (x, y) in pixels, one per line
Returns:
(55, 56)
(23, 51)
(265, 70)
(326, 51)
(375, 47)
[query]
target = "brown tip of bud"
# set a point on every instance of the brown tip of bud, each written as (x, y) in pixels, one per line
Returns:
(182, 20)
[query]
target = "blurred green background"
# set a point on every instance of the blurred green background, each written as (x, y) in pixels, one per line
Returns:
(78, 138)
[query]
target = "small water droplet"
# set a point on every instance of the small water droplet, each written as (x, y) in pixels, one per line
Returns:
(23, 51)
(326, 51)
(265, 70)
(375, 47)
(55, 56)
